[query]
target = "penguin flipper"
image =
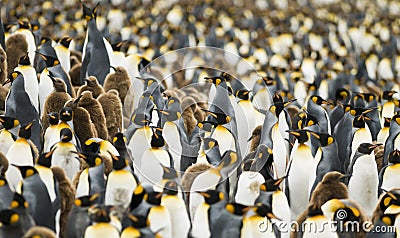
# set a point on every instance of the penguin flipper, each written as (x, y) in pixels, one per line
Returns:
(381, 174)
(85, 63)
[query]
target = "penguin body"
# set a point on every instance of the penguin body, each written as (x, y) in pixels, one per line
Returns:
(11, 224)
(6, 194)
(45, 88)
(101, 225)
(63, 52)
(388, 177)
(16, 47)
(228, 222)
(248, 187)
(113, 111)
(53, 120)
(95, 60)
(7, 138)
(120, 81)
(92, 85)
(20, 205)
(258, 218)
(30, 80)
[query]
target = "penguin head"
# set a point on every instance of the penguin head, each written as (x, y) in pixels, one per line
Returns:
(137, 196)
(65, 41)
(278, 107)
(169, 173)
(157, 140)
(119, 140)
(44, 40)
(66, 135)
(264, 210)
(9, 217)
(207, 125)
(389, 198)
(153, 198)
(360, 121)
(138, 221)
(53, 118)
(99, 213)
(386, 122)
(118, 162)
(276, 98)
(324, 138)
(212, 196)
(170, 188)
(24, 60)
(217, 80)
(301, 135)
(369, 97)
(92, 145)
(58, 84)
(272, 185)
(267, 80)
(86, 201)
(66, 114)
(45, 158)
(388, 95)
(237, 208)
(88, 13)
(243, 94)
(8, 122)
(92, 159)
(170, 114)
(25, 131)
(13, 76)
(149, 82)
(26, 170)
(49, 60)
(220, 117)
(117, 46)
(318, 100)
(394, 156)
(342, 95)
(18, 201)
(209, 143)
(24, 24)
(366, 148)
(91, 81)
(334, 177)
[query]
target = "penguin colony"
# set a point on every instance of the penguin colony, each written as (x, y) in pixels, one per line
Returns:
(95, 142)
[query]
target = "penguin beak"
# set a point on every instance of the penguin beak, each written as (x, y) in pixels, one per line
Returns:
(208, 79)
(251, 137)
(87, 81)
(27, 127)
(113, 68)
(374, 146)
(7, 81)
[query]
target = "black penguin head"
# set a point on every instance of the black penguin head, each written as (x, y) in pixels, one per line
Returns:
(88, 13)
(272, 185)
(91, 146)
(220, 117)
(389, 198)
(212, 196)
(49, 60)
(117, 46)
(137, 196)
(388, 95)
(119, 140)
(66, 114)
(24, 24)
(207, 125)
(26, 171)
(369, 97)
(268, 80)
(25, 131)
(324, 138)
(149, 82)
(264, 210)
(217, 80)
(157, 140)
(58, 84)
(243, 94)
(237, 208)
(65, 41)
(169, 173)
(366, 148)
(100, 213)
(360, 120)
(91, 81)
(44, 40)
(301, 135)
(318, 100)
(170, 188)
(18, 201)
(209, 143)
(86, 201)
(92, 159)
(53, 118)
(66, 135)
(276, 98)
(8, 122)
(9, 217)
(45, 159)
(138, 221)
(118, 162)
(153, 198)
(24, 60)
(342, 95)
(386, 122)
(394, 157)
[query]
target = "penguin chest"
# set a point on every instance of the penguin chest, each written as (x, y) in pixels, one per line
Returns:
(300, 92)
(20, 153)
(101, 229)
(388, 111)
(45, 88)
(391, 177)
(139, 143)
(262, 99)
(119, 189)
(150, 168)
(225, 139)
(362, 135)
(202, 158)
(160, 221)
(246, 117)
(280, 206)
(316, 226)
(396, 144)
(83, 184)
(63, 55)
(279, 151)
(173, 140)
(64, 157)
(248, 187)
(6, 140)
(257, 226)
(383, 135)
(31, 84)
(48, 179)
(201, 223)
(180, 220)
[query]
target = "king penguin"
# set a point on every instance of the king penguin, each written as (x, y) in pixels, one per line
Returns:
(19, 106)
(101, 225)
(20, 205)
(11, 224)
(95, 60)
(30, 79)
(388, 177)
(259, 217)
(63, 52)
(7, 138)
(120, 81)
(113, 112)
(92, 85)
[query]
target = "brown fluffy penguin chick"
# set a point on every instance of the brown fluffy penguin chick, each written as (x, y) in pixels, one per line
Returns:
(40, 231)
(329, 188)
(199, 114)
(96, 113)
(3, 164)
(191, 173)
(379, 151)
(75, 74)
(112, 108)
(83, 125)
(255, 138)
(16, 47)
(189, 121)
(3, 66)
(67, 193)
(55, 101)
(91, 85)
(119, 80)
(386, 199)
(3, 96)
